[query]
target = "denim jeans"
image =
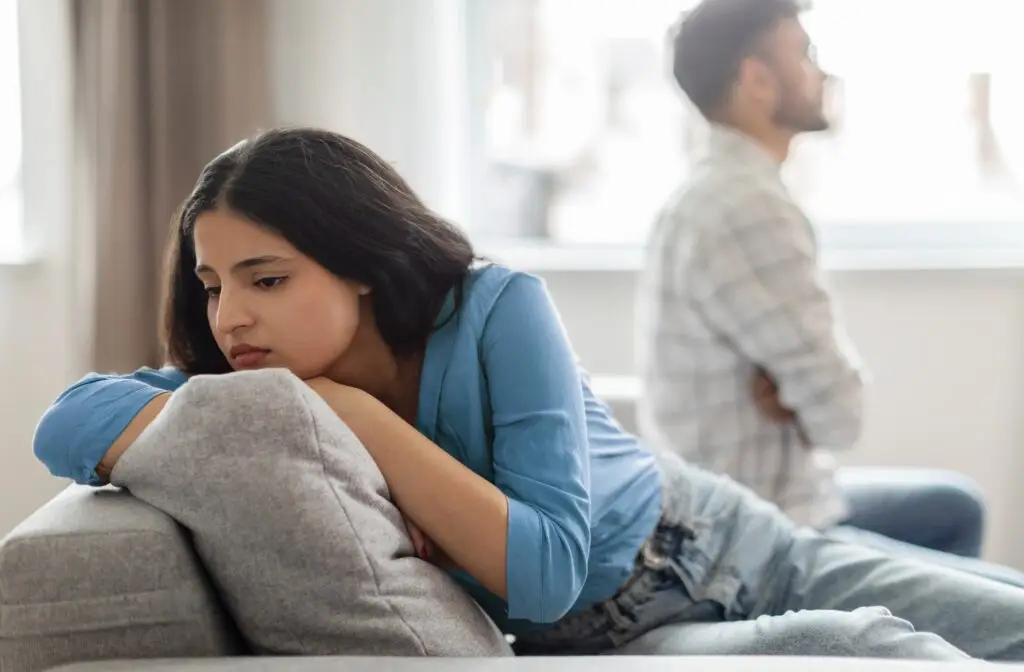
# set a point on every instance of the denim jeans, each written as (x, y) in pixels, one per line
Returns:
(931, 508)
(726, 573)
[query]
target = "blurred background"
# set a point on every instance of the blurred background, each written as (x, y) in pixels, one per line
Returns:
(550, 131)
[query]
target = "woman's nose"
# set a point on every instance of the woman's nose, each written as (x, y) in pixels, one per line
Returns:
(232, 313)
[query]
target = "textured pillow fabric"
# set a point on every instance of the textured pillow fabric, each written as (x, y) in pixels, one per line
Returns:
(293, 520)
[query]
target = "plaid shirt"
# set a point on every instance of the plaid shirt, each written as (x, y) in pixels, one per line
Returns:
(731, 286)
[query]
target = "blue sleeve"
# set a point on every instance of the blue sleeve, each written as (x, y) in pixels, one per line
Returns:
(80, 426)
(540, 450)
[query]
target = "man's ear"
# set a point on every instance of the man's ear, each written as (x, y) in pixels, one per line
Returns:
(756, 80)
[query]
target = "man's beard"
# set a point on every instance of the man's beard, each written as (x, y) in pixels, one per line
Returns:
(801, 116)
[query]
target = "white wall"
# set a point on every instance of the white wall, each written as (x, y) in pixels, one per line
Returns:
(946, 350)
(379, 71)
(34, 341)
(38, 347)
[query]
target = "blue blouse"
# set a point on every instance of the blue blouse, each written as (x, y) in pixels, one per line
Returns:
(501, 392)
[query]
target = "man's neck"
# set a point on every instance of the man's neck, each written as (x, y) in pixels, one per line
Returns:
(774, 140)
(777, 144)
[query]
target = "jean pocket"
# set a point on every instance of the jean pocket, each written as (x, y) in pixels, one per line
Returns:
(665, 599)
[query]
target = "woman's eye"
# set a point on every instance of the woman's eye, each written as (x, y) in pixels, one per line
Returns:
(212, 292)
(267, 283)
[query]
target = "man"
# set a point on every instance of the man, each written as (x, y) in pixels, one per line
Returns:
(746, 367)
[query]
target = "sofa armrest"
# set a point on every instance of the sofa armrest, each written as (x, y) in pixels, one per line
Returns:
(95, 574)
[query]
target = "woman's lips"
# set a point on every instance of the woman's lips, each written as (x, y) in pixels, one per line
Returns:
(250, 359)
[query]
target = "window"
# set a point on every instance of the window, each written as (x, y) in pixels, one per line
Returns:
(584, 134)
(10, 132)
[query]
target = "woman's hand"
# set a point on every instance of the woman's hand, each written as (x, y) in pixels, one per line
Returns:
(425, 548)
(339, 397)
(419, 540)
(429, 487)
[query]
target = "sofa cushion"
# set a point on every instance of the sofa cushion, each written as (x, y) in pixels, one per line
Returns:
(97, 574)
(293, 520)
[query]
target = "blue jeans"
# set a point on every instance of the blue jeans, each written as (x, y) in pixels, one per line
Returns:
(932, 508)
(726, 573)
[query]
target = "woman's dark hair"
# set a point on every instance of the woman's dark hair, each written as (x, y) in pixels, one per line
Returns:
(336, 202)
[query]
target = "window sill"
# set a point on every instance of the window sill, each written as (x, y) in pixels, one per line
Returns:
(844, 247)
(17, 257)
(616, 389)
(16, 250)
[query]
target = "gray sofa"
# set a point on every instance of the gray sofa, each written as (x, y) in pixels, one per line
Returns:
(98, 580)
(97, 575)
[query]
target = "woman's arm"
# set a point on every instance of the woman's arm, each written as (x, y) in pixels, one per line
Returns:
(526, 538)
(126, 438)
(541, 450)
(94, 421)
(462, 514)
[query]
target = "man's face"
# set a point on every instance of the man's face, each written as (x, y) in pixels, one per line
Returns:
(796, 83)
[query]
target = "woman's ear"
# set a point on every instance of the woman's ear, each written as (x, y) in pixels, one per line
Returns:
(362, 290)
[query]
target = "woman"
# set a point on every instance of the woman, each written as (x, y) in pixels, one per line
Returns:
(302, 249)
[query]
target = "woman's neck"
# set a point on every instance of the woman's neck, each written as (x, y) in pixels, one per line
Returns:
(402, 395)
(406, 402)
(394, 381)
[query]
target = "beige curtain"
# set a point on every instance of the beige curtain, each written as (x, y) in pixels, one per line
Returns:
(162, 86)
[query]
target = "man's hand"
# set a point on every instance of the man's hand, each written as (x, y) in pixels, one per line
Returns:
(766, 397)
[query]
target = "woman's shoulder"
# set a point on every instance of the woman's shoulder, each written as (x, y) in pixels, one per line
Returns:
(489, 288)
(488, 282)
(166, 378)
(167, 373)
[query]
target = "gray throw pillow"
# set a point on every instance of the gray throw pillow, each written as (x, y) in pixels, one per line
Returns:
(293, 520)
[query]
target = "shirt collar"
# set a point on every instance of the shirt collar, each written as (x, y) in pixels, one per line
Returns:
(732, 145)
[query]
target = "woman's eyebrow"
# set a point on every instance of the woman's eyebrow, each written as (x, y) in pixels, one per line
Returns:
(244, 263)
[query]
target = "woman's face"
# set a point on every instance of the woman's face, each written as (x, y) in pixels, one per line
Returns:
(268, 304)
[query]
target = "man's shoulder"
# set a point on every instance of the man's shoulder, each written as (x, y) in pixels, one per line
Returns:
(722, 186)
(716, 200)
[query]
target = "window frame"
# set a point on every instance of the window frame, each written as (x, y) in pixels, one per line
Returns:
(844, 247)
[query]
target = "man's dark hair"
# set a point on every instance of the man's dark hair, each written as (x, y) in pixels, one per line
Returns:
(337, 202)
(714, 38)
